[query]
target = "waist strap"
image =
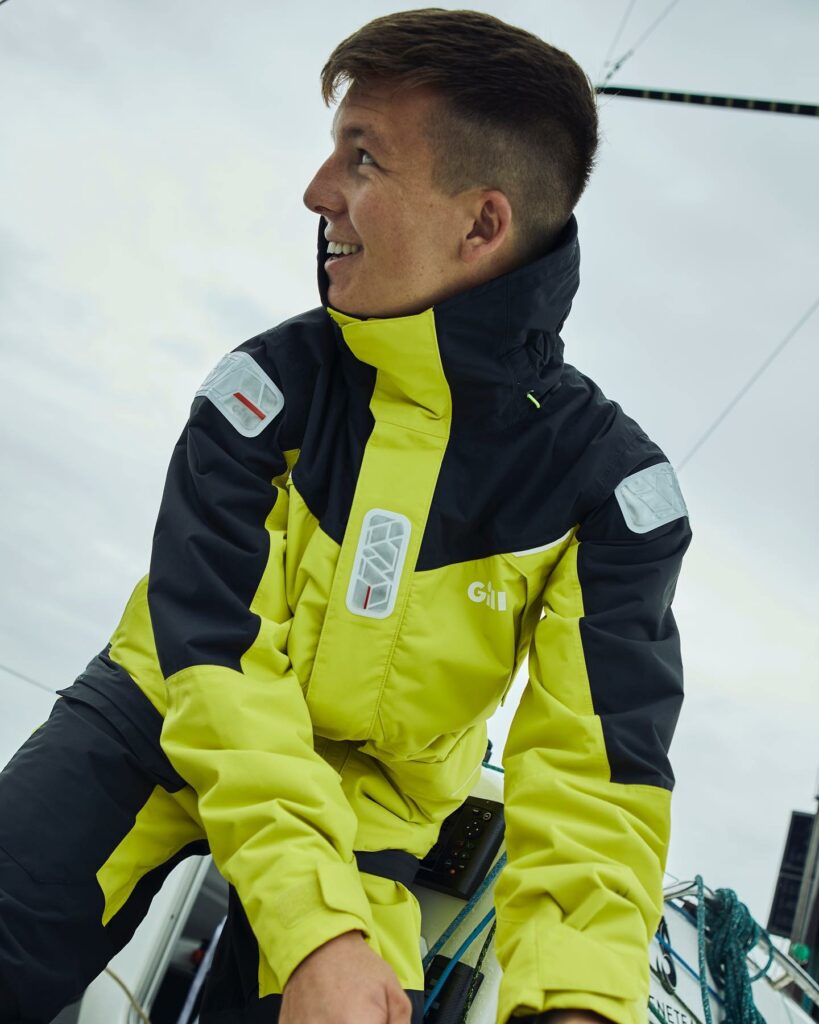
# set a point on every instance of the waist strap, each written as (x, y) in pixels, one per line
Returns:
(398, 865)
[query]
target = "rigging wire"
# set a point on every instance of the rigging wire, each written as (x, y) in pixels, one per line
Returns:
(752, 380)
(630, 52)
(616, 39)
(14, 672)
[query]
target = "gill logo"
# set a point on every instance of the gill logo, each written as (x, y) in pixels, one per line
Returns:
(482, 593)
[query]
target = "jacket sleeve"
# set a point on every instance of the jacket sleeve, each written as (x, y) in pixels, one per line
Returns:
(237, 727)
(587, 783)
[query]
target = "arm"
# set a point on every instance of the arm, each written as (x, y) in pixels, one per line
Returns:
(588, 783)
(237, 728)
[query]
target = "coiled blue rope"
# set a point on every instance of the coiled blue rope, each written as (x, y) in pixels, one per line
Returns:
(734, 933)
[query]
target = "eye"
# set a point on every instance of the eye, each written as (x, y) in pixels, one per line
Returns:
(365, 153)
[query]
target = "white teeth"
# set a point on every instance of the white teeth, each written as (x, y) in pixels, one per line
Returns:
(339, 248)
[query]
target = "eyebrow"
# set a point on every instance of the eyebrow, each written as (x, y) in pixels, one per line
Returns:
(353, 132)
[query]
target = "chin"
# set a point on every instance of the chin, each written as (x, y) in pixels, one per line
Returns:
(362, 309)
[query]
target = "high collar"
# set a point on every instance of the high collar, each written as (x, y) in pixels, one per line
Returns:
(499, 342)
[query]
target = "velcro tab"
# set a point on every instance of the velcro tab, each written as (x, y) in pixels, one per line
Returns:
(651, 498)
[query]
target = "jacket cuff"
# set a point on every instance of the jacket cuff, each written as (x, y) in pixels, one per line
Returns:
(552, 966)
(299, 919)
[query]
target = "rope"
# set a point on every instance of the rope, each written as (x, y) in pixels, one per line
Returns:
(734, 933)
(476, 970)
(143, 1016)
(443, 939)
(455, 960)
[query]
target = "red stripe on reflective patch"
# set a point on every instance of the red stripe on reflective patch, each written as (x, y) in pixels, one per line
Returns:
(367, 598)
(246, 401)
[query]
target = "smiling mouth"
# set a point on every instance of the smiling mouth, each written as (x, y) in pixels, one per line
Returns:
(336, 257)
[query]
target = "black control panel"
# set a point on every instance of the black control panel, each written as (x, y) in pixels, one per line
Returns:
(467, 844)
(450, 1002)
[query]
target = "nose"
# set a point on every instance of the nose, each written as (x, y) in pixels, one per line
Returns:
(322, 195)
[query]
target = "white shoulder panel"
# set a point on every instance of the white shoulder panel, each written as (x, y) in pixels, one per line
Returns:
(243, 393)
(379, 561)
(651, 498)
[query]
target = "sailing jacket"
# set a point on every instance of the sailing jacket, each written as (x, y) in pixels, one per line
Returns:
(366, 527)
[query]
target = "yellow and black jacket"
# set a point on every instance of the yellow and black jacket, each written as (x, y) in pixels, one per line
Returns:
(367, 525)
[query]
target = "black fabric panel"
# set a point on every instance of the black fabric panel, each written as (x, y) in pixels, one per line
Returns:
(125, 922)
(210, 544)
(398, 865)
(517, 486)
(630, 639)
(67, 798)
(106, 686)
(501, 340)
(327, 472)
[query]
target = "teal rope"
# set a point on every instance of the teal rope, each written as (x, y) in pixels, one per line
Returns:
(455, 960)
(734, 933)
(706, 1001)
(453, 926)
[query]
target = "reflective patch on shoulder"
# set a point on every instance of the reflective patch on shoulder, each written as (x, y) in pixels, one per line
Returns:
(651, 498)
(243, 393)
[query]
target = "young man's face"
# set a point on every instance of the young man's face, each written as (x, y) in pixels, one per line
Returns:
(375, 190)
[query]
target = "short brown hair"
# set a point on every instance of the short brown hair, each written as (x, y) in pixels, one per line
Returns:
(517, 114)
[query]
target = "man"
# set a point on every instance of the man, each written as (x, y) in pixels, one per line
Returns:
(302, 681)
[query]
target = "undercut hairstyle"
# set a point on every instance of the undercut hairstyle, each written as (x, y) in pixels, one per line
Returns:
(515, 113)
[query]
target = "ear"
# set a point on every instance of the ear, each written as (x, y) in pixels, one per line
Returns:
(492, 227)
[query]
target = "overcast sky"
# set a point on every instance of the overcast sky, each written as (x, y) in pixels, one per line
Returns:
(153, 157)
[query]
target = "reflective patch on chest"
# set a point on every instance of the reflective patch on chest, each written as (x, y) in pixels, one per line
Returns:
(243, 393)
(379, 561)
(650, 498)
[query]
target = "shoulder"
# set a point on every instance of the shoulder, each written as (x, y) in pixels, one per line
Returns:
(626, 476)
(604, 443)
(271, 376)
(300, 342)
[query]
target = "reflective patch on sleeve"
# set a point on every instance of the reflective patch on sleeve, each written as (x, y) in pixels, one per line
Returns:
(651, 498)
(243, 393)
(379, 560)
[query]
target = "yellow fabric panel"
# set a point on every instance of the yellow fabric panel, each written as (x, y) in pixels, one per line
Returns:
(277, 822)
(396, 916)
(465, 669)
(581, 895)
(400, 803)
(132, 644)
(411, 389)
(412, 408)
(310, 567)
(161, 829)
(397, 920)
(268, 651)
(364, 646)
(133, 647)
